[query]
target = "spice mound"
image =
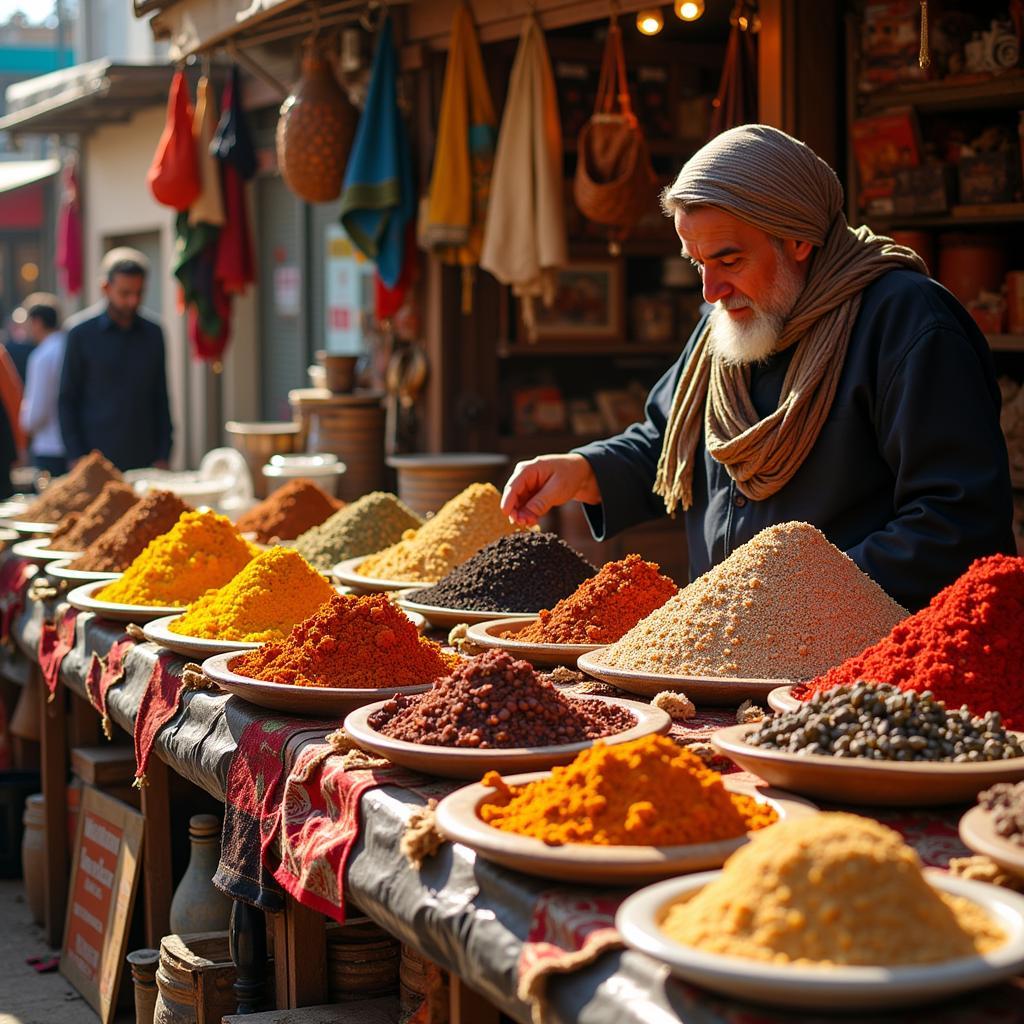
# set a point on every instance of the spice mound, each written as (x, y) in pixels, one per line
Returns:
(349, 642)
(494, 701)
(123, 541)
(785, 605)
(829, 889)
(201, 551)
(649, 792)
(463, 525)
(80, 529)
(374, 521)
(966, 646)
(522, 572)
(277, 589)
(72, 492)
(886, 724)
(1006, 802)
(291, 510)
(604, 608)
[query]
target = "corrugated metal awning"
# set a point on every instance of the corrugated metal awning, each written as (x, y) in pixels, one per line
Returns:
(15, 174)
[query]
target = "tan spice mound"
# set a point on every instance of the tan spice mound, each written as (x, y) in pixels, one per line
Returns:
(785, 605)
(289, 511)
(80, 529)
(830, 889)
(72, 492)
(122, 542)
(469, 521)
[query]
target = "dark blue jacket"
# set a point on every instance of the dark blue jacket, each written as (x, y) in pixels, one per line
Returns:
(909, 475)
(113, 392)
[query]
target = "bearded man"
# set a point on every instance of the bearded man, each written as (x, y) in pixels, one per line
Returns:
(832, 383)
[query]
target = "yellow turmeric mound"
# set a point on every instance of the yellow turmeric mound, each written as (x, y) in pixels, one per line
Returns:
(649, 792)
(201, 551)
(277, 589)
(830, 889)
(463, 525)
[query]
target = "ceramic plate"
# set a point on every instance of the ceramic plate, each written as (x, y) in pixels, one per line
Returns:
(978, 831)
(61, 570)
(12, 508)
(781, 699)
(30, 529)
(458, 820)
(490, 634)
(714, 690)
(857, 780)
(345, 572)
(82, 599)
(38, 550)
(191, 646)
(318, 701)
(8, 536)
(443, 618)
(468, 763)
(826, 988)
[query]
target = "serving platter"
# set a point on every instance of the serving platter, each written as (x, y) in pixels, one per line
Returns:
(27, 529)
(857, 780)
(317, 701)
(82, 598)
(12, 508)
(781, 699)
(833, 986)
(491, 634)
(978, 831)
(62, 570)
(8, 536)
(458, 819)
(715, 690)
(345, 572)
(471, 763)
(159, 632)
(442, 618)
(38, 550)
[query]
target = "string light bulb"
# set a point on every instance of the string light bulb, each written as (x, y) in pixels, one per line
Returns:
(649, 21)
(689, 10)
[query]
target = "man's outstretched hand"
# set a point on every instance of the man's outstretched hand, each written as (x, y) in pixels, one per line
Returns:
(546, 482)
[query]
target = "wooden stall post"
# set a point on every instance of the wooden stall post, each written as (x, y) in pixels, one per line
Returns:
(53, 737)
(247, 941)
(157, 874)
(85, 725)
(467, 1006)
(300, 956)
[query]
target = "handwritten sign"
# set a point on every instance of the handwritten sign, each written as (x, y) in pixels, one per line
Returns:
(104, 875)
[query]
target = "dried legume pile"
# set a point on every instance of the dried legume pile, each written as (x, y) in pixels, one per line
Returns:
(830, 889)
(276, 590)
(72, 492)
(522, 572)
(350, 642)
(288, 512)
(604, 608)
(884, 723)
(649, 792)
(371, 523)
(462, 526)
(785, 605)
(79, 529)
(494, 701)
(1006, 802)
(966, 646)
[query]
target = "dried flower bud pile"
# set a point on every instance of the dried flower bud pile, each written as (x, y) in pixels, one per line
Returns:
(288, 512)
(495, 701)
(80, 529)
(72, 492)
(1006, 802)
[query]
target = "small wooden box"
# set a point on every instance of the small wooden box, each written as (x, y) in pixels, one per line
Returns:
(930, 188)
(989, 177)
(104, 766)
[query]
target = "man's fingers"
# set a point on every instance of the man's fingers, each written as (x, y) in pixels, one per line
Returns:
(520, 487)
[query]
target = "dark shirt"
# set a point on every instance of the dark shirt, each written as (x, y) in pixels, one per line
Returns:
(909, 475)
(113, 392)
(19, 351)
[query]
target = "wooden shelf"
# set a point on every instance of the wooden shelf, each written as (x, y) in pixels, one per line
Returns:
(959, 216)
(1006, 90)
(1006, 342)
(589, 350)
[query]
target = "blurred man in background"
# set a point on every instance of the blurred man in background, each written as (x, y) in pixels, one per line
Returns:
(40, 419)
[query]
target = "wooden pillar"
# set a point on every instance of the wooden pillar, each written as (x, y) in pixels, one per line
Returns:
(54, 770)
(467, 1006)
(157, 872)
(247, 940)
(85, 724)
(300, 957)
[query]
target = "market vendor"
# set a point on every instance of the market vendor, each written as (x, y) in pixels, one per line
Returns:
(833, 382)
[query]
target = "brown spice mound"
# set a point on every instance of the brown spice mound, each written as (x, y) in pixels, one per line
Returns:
(122, 542)
(80, 529)
(72, 492)
(289, 511)
(495, 701)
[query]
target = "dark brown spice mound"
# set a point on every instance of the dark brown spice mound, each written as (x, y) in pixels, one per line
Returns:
(122, 542)
(80, 529)
(72, 492)
(288, 512)
(495, 701)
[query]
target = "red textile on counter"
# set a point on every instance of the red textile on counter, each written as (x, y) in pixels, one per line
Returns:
(158, 706)
(68, 257)
(235, 266)
(173, 176)
(103, 673)
(15, 575)
(55, 643)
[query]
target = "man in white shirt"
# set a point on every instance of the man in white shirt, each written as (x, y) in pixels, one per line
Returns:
(39, 416)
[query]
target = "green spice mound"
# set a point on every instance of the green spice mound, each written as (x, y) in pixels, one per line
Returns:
(373, 522)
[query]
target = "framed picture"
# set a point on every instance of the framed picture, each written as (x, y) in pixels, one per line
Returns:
(588, 304)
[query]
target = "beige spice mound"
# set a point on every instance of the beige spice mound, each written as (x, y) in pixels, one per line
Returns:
(469, 521)
(785, 605)
(72, 492)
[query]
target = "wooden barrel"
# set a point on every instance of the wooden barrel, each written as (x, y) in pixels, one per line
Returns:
(421, 980)
(258, 441)
(426, 482)
(362, 962)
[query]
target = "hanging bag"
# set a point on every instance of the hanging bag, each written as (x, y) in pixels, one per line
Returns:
(614, 184)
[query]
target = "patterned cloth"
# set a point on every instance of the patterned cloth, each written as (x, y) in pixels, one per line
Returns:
(103, 673)
(55, 643)
(158, 706)
(15, 575)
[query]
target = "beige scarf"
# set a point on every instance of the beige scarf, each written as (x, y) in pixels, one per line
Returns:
(767, 178)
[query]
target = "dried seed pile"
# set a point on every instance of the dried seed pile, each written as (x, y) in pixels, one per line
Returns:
(785, 605)
(80, 529)
(884, 723)
(374, 521)
(72, 492)
(495, 701)
(522, 572)
(1006, 802)
(288, 512)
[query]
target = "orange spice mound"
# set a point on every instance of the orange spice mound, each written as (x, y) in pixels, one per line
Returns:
(352, 642)
(605, 607)
(288, 512)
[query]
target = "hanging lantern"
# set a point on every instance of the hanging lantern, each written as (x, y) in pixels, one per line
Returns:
(650, 21)
(689, 10)
(314, 131)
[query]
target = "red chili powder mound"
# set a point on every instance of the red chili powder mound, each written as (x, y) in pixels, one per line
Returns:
(288, 512)
(967, 646)
(353, 642)
(605, 607)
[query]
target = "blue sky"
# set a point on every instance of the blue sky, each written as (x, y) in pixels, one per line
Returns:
(36, 10)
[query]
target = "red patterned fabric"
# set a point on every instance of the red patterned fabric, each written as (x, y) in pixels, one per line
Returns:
(159, 705)
(173, 176)
(15, 574)
(55, 642)
(103, 673)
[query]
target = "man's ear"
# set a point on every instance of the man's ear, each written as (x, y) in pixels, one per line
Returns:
(798, 250)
